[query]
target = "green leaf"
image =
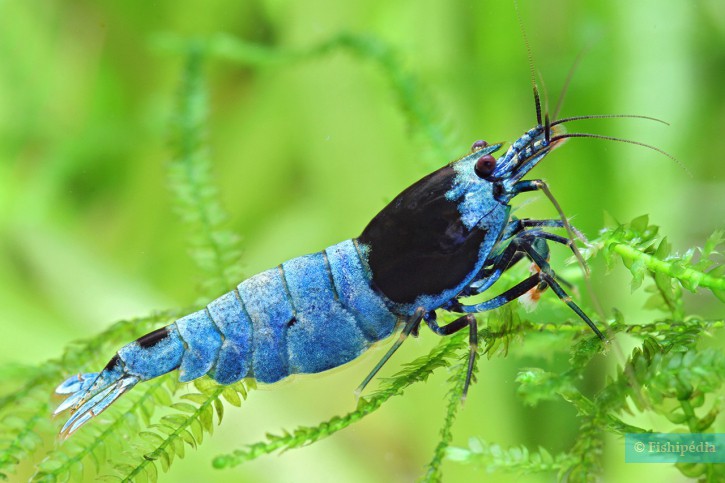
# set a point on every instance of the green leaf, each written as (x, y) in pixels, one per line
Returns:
(219, 407)
(195, 397)
(207, 418)
(179, 448)
(197, 430)
(152, 438)
(718, 272)
(639, 270)
(188, 438)
(663, 249)
(713, 242)
(639, 225)
(232, 397)
(184, 407)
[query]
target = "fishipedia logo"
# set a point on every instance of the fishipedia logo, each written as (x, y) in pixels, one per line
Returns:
(674, 448)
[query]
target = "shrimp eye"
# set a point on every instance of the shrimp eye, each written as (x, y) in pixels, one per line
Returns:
(480, 144)
(485, 166)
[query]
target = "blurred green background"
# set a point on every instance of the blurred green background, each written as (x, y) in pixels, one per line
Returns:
(306, 153)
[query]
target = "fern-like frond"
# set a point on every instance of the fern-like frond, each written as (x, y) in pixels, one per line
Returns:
(457, 380)
(517, 459)
(668, 374)
(96, 443)
(214, 249)
(416, 371)
(421, 115)
(25, 413)
(192, 417)
(641, 250)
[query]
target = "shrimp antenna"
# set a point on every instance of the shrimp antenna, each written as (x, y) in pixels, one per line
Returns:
(530, 56)
(567, 82)
(608, 116)
(620, 140)
(547, 134)
(547, 121)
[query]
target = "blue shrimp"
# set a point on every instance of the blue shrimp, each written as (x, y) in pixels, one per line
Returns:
(448, 236)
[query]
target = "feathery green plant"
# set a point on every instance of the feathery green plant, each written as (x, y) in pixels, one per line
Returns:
(214, 249)
(669, 373)
(422, 117)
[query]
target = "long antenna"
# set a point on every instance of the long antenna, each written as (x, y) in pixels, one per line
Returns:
(569, 76)
(620, 140)
(547, 134)
(530, 57)
(608, 116)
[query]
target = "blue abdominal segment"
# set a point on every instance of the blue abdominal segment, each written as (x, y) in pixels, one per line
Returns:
(323, 334)
(235, 356)
(352, 285)
(267, 302)
(203, 341)
(152, 355)
(152, 360)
